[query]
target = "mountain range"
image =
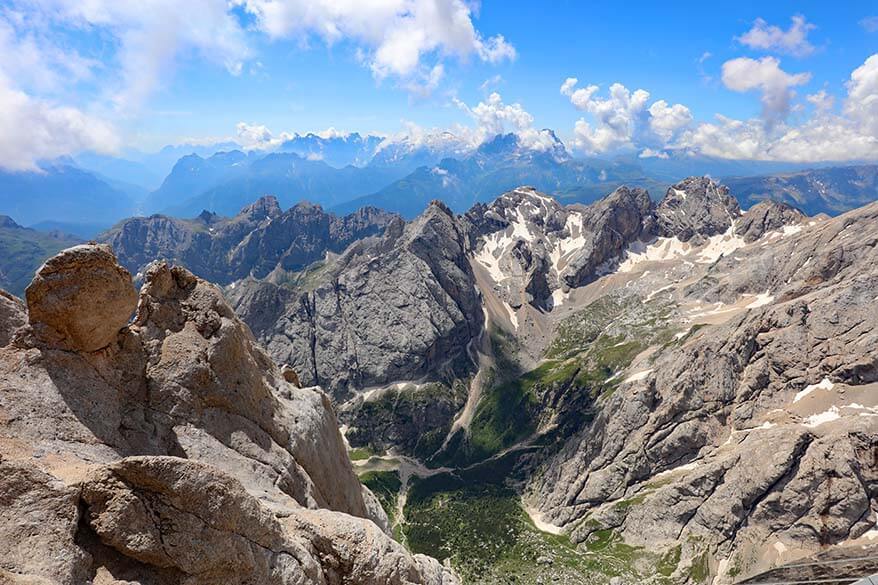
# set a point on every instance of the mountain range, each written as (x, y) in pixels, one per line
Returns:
(680, 391)
(344, 172)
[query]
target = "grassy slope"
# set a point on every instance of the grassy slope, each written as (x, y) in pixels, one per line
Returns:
(22, 251)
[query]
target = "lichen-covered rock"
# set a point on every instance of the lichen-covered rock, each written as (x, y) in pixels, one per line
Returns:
(81, 298)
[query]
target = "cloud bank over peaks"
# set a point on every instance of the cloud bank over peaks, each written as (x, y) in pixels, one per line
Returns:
(35, 129)
(624, 120)
(493, 116)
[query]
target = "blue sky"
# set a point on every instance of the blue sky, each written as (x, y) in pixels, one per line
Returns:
(112, 74)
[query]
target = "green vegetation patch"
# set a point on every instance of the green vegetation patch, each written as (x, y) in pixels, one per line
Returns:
(361, 453)
(509, 412)
(385, 485)
(415, 419)
(481, 529)
(22, 252)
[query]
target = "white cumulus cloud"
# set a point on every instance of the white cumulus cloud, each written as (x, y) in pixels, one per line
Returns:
(823, 132)
(827, 135)
(32, 129)
(624, 120)
(148, 36)
(793, 41)
(765, 76)
(395, 37)
(493, 116)
(861, 104)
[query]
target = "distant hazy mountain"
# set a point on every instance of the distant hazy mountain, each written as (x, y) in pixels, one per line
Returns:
(831, 190)
(225, 182)
(23, 250)
(337, 150)
(409, 153)
(675, 165)
(191, 176)
(121, 170)
(497, 166)
(60, 191)
(83, 230)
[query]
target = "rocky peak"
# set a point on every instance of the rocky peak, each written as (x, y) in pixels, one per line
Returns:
(438, 204)
(257, 241)
(207, 217)
(767, 216)
(696, 207)
(527, 205)
(266, 206)
(401, 306)
(8, 222)
(607, 227)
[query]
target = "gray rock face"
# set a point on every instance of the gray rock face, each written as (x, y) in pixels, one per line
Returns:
(541, 246)
(12, 316)
(609, 226)
(767, 216)
(706, 448)
(259, 240)
(695, 208)
(177, 454)
(398, 307)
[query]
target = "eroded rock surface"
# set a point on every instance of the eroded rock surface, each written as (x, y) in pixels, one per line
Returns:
(12, 316)
(177, 454)
(399, 307)
(262, 240)
(81, 298)
(753, 440)
(696, 207)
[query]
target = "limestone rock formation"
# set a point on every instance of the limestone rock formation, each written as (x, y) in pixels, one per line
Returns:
(259, 241)
(81, 298)
(696, 207)
(398, 307)
(177, 454)
(752, 440)
(12, 316)
(531, 245)
(768, 216)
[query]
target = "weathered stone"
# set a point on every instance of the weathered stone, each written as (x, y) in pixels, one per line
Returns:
(397, 307)
(179, 454)
(81, 298)
(291, 376)
(13, 315)
(695, 208)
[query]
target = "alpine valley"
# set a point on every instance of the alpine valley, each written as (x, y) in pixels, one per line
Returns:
(627, 391)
